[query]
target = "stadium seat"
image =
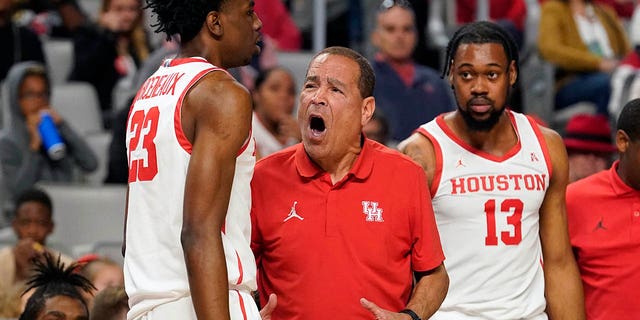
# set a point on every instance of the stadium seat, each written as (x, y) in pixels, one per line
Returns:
(86, 215)
(99, 143)
(77, 103)
(59, 56)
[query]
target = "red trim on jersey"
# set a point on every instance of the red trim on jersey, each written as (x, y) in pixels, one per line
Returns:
(543, 144)
(246, 143)
(433, 188)
(179, 61)
(241, 303)
(240, 270)
(513, 151)
(177, 118)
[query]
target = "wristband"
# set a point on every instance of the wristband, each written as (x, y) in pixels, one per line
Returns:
(410, 312)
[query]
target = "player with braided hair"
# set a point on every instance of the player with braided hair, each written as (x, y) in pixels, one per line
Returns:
(191, 156)
(57, 291)
(498, 183)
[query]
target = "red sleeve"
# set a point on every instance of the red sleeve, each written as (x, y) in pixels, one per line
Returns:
(427, 250)
(517, 12)
(256, 237)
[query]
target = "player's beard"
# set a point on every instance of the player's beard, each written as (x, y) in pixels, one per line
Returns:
(481, 125)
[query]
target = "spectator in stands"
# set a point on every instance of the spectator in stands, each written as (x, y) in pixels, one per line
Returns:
(102, 272)
(377, 129)
(32, 225)
(274, 126)
(110, 304)
(588, 142)
(10, 304)
(624, 8)
(278, 25)
(111, 50)
(23, 159)
(585, 41)
(633, 58)
(18, 43)
(510, 14)
(409, 94)
(57, 292)
(55, 18)
(337, 26)
(603, 212)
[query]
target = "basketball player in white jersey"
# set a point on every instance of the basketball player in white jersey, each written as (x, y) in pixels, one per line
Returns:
(498, 184)
(191, 158)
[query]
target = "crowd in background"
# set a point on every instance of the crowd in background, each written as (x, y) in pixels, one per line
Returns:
(592, 46)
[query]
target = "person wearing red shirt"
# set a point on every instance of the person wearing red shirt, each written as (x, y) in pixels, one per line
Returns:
(510, 14)
(603, 212)
(340, 221)
(278, 25)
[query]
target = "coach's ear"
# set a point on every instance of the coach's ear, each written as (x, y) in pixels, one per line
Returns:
(214, 24)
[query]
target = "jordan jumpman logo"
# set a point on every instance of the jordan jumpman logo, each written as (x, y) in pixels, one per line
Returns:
(600, 225)
(293, 213)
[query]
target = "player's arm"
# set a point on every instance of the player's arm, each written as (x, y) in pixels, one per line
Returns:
(216, 118)
(563, 286)
(429, 291)
(126, 215)
(420, 149)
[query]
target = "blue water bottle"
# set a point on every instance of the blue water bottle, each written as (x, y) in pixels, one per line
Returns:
(56, 149)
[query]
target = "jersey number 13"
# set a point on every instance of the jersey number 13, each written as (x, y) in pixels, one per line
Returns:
(514, 219)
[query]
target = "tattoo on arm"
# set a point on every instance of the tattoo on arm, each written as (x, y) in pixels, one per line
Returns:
(417, 154)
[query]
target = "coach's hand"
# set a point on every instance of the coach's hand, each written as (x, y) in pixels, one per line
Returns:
(382, 314)
(265, 313)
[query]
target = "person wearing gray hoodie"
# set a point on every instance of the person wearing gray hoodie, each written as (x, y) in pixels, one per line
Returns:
(23, 158)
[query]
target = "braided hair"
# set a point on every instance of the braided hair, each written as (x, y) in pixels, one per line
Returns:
(481, 32)
(183, 17)
(52, 279)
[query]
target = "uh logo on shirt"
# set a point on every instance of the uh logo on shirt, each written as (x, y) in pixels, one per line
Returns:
(372, 211)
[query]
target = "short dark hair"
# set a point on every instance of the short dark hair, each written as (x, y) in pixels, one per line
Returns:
(52, 279)
(37, 71)
(629, 119)
(34, 195)
(481, 32)
(263, 75)
(367, 77)
(183, 17)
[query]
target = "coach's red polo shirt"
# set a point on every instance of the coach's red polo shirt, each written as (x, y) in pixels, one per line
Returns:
(603, 214)
(321, 246)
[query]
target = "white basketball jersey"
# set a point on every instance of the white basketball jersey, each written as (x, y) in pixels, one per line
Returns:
(486, 208)
(159, 153)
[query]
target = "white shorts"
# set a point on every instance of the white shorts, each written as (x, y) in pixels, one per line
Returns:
(241, 307)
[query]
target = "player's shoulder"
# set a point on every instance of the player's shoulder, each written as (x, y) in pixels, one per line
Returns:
(550, 136)
(220, 91)
(392, 158)
(586, 187)
(220, 81)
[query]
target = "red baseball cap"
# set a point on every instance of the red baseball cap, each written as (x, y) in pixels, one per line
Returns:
(590, 133)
